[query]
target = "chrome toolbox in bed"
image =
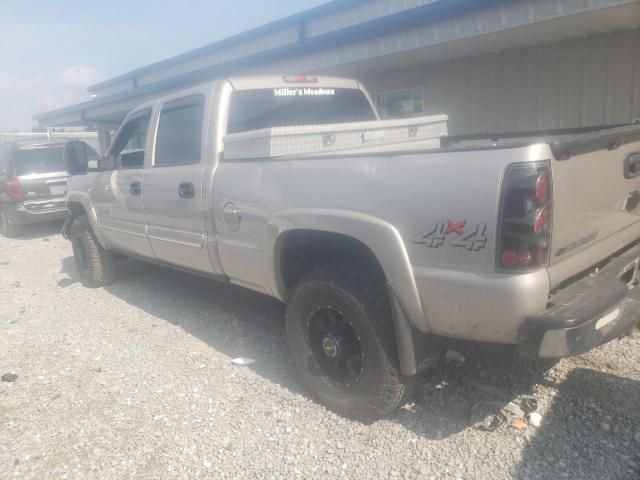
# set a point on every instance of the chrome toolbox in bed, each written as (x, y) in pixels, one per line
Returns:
(358, 137)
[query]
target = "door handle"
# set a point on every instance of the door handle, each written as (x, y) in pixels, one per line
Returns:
(231, 216)
(135, 188)
(186, 190)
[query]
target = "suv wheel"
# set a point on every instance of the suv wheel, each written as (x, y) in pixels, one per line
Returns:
(96, 266)
(340, 333)
(7, 228)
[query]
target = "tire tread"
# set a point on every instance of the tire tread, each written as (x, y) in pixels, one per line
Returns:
(368, 288)
(101, 263)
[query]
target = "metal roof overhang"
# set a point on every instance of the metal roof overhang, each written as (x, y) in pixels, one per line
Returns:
(459, 28)
(600, 21)
(296, 20)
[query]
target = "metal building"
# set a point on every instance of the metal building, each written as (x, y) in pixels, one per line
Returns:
(491, 65)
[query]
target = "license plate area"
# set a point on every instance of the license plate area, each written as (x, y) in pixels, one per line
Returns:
(58, 190)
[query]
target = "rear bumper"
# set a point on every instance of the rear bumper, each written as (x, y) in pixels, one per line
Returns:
(19, 214)
(587, 313)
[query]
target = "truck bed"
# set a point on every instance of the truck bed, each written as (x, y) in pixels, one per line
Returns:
(563, 142)
(414, 135)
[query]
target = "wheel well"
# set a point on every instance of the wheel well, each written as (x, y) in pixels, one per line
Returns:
(304, 250)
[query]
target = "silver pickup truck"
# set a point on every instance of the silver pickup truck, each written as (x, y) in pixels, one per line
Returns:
(379, 256)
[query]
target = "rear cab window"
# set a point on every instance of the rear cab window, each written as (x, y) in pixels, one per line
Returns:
(296, 106)
(38, 159)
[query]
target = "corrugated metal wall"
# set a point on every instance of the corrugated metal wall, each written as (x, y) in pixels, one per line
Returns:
(580, 82)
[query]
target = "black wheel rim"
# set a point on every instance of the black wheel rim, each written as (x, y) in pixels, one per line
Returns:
(81, 257)
(336, 346)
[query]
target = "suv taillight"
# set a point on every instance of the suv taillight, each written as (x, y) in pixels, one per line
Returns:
(13, 189)
(525, 217)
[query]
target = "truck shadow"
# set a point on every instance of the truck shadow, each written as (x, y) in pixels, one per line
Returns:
(238, 322)
(235, 321)
(39, 230)
(480, 375)
(590, 430)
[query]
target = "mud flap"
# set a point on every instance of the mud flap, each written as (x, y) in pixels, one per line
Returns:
(417, 352)
(66, 228)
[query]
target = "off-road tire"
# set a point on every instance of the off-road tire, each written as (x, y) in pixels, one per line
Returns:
(7, 228)
(363, 297)
(96, 266)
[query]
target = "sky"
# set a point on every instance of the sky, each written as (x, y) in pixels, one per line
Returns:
(51, 51)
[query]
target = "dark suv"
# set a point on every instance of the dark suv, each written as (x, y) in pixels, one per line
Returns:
(33, 184)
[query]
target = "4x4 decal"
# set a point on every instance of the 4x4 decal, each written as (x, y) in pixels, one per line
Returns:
(473, 238)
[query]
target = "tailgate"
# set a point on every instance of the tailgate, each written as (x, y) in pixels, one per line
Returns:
(596, 192)
(43, 186)
(41, 172)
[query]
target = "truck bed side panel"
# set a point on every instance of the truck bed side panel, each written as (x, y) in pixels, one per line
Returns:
(422, 196)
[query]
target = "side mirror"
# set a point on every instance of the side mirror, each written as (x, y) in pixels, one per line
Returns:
(76, 157)
(106, 163)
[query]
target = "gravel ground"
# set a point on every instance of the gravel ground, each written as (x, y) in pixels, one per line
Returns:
(135, 381)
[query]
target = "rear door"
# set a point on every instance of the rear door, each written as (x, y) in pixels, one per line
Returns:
(41, 172)
(174, 198)
(596, 206)
(117, 195)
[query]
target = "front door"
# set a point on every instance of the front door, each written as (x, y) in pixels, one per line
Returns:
(117, 195)
(174, 199)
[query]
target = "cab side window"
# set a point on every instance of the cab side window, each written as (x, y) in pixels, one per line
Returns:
(129, 146)
(179, 137)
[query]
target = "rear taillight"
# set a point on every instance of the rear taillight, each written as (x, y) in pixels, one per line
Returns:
(526, 215)
(13, 189)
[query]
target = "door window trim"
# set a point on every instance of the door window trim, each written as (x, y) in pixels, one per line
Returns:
(133, 116)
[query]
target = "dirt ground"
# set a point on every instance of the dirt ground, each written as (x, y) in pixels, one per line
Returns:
(136, 381)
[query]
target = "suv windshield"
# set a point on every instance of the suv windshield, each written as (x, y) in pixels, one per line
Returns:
(294, 106)
(38, 160)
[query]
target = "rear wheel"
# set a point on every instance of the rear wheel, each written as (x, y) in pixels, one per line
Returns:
(8, 228)
(96, 266)
(340, 333)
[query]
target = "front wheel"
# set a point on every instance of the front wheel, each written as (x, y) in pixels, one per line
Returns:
(96, 266)
(340, 333)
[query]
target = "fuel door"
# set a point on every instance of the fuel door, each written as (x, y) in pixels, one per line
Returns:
(632, 165)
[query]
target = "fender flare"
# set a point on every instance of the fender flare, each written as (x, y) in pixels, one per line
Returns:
(84, 201)
(382, 238)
